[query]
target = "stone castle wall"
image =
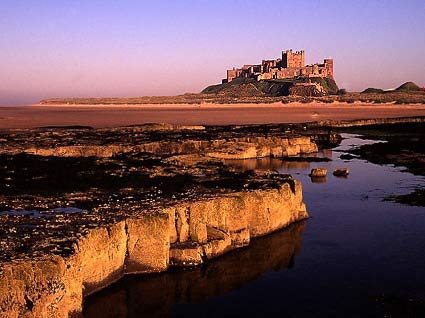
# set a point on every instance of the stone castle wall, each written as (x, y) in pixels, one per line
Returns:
(291, 65)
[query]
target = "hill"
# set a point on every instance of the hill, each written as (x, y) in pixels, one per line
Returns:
(372, 90)
(409, 87)
(248, 87)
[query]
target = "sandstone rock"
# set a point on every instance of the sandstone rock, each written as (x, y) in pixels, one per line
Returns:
(240, 238)
(265, 172)
(218, 245)
(99, 257)
(341, 172)
(293, 150)
(308, 148)
(270, 253)
(237, 148)
(199, 233)
(148, 244)
(182, 223)
(318, 172)
(299, 140)
(186, 255)
(35, 289)
(201, 230)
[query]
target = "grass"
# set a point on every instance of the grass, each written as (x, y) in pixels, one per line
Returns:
(253, 92)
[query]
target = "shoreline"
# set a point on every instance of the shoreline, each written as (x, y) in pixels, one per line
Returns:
(235, 105)
(103, 116)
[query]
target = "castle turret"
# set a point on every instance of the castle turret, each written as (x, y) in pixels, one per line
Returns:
(329, 67)
(293, 59)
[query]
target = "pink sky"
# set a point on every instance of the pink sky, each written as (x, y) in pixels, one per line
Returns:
(130, 48)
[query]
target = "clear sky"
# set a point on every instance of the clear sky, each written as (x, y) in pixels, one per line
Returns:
(70, 48)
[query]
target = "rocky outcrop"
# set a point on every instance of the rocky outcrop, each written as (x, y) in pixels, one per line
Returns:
(234, 148)
(318, 173)
(185, 234)
(341, 172)
(264, 255)
(36, 289)
(148, 244)
(202, 233)
(307, 89)
(367, 122)
(257, 147)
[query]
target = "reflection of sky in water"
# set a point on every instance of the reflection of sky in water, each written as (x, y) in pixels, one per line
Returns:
(355, 248)
(365, 180)
(355, 245)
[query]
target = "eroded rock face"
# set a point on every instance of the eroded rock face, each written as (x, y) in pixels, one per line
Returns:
(35, 289)
(55, 286)
(158, 294)
(222, 224)
(217, 142)
(220, 149)
(99, 257)
(148, 244)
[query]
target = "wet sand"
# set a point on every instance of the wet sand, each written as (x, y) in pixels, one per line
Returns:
(204, 114)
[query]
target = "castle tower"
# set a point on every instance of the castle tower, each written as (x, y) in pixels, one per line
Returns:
(293, 59)
(329, 67)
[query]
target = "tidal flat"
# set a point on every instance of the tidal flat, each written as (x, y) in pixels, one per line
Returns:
(82, 207)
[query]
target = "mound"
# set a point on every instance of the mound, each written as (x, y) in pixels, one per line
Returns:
(372, 90)
(242, 87)
(408, 86)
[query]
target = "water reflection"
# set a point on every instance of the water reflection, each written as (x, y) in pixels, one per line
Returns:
(318, 179)
(292, 164)
(154, 296)
(267, 163)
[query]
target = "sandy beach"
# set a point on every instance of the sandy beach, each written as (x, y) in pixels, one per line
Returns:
(196, 114)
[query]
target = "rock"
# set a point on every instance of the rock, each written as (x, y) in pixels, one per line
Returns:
(186, 255)
(341, 172)
(147, 209)
(148, 244)
(265, 172)
(347, 157)
(99, 257)
(318, 172)
(200, 230)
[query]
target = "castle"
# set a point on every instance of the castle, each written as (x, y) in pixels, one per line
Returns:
(291, 65)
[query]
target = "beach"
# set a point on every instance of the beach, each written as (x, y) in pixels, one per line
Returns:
(196, 114)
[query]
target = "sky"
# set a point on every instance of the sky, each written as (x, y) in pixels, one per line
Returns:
(117, 48)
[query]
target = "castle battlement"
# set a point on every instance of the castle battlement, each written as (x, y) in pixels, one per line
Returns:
(291, 65)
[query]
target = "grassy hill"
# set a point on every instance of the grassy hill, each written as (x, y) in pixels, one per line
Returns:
(248, 87)
(408, 87)
(372, 90)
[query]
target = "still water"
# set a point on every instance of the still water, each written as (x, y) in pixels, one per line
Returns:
(357, 256)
